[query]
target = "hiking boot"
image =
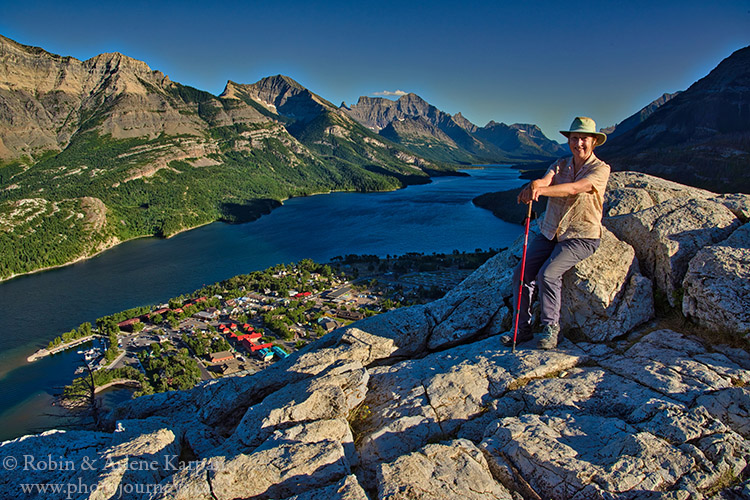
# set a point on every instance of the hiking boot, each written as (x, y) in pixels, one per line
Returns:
(521, 337)
(548, 338)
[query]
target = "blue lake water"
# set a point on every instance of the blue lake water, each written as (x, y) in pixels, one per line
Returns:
(436, 217)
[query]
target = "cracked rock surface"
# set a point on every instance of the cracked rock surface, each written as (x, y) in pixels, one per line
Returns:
(425, 403)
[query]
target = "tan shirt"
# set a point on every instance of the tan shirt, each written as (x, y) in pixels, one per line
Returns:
(577, 216)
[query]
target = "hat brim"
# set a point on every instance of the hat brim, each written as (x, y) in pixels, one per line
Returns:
(600, 137)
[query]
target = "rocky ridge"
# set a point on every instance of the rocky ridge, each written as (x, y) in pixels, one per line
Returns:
(423, 128)
(111, 129)
(699, 137)
(424, 402)
(639, 117)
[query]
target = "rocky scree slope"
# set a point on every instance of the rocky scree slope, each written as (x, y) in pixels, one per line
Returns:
(424, 402)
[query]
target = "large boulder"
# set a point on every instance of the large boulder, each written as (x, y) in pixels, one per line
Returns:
(479, 304)
(629, 192)
(325, 398)
(717, 285)
(668, 235)
(605, 296)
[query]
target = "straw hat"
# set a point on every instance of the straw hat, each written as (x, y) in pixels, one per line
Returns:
(585, 125)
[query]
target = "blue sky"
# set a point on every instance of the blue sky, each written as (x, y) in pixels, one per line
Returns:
(540, 62)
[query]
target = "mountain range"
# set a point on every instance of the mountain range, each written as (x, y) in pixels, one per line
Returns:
(100, 151)
(434, 134)
(104, 150)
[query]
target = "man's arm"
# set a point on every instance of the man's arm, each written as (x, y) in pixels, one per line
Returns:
(561, 190)
(527, 193)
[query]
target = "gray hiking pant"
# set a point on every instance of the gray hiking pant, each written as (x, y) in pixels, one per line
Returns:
(546, 262)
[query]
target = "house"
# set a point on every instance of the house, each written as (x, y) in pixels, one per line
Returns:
(281, 353)
(204, 316)
(127, 325)
(339, 293)
(265, 354)
(221, 357)
(328, 324)
(252, 337)
(351, 315)
(160, 312)
(258, 347)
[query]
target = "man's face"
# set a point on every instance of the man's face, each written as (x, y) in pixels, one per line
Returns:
(581, 145)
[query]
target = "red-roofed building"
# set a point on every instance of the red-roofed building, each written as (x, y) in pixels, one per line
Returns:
(220, 357)
(247, 344)
(127, 325)
(252, 337)
(160, 312)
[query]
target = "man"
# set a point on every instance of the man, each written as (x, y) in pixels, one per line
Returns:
(570, 232)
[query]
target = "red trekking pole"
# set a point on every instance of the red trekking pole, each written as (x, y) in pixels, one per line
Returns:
(523, 268)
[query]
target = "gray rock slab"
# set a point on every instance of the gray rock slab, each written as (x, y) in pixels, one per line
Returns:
(445, 471)
(415, 401)
(279, 472)
(731, 406)
(327, 397)
(629, 192)
(675, 366)
(593, 391)
(561, 456)
(717, 285)
(346, 489)
(56, 457)
(738, 203)
(605, 296)
(667, 236)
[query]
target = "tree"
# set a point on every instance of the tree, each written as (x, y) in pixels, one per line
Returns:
(85, 329)
(79, 398)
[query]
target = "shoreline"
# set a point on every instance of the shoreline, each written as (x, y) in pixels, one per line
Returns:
(83, 258)
(498, 175)
(44, 352)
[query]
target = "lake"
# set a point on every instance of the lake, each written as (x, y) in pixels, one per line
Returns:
(437, 217)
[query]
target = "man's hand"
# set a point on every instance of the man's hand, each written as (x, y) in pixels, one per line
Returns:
(525, 195)
(532, 191)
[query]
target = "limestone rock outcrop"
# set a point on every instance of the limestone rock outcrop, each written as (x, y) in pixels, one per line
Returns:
(425, 402)
(717, 284)
(692, 243)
